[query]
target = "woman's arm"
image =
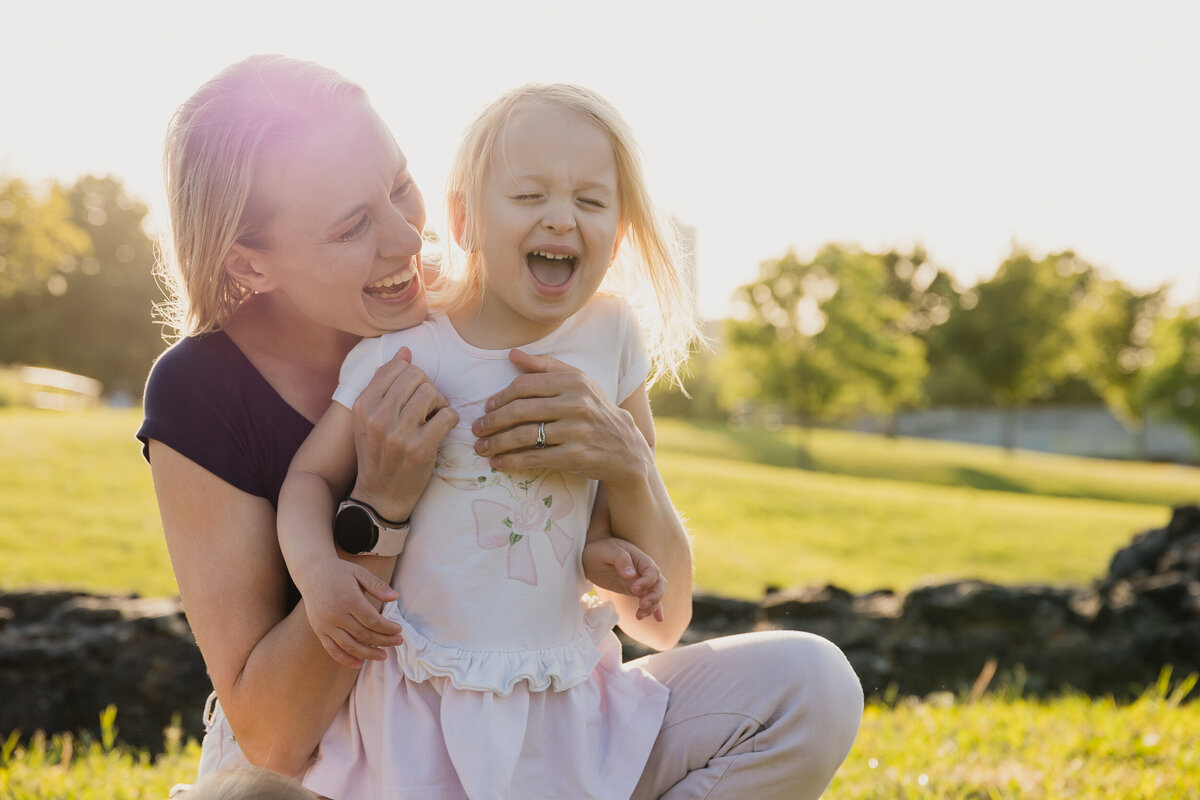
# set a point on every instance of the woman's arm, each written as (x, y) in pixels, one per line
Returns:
(277, 686)
(590, 436)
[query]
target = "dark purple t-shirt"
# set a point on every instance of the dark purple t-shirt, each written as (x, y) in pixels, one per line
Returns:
(205, 400)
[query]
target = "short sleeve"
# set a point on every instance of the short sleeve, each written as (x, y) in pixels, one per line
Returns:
(358, 369)
(183, 409)
(204, 400)
(635, 360)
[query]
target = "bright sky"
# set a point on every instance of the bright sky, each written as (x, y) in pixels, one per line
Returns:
(766, 126)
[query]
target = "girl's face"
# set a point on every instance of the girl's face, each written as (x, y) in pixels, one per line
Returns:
(549, 225)
(344, 222)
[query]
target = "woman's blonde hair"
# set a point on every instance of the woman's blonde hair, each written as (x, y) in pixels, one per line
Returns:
(213, 144)
(649, 270)
(244, 783)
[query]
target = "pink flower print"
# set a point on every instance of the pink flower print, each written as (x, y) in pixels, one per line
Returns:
(497, 525)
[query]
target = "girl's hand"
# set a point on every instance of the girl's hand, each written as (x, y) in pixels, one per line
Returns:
(622, 567)
(348, 625)
(400, 420)
(586, 433)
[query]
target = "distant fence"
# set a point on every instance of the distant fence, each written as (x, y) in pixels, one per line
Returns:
(1070, 430)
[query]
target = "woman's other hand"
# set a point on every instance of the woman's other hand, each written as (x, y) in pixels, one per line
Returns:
(585, 433)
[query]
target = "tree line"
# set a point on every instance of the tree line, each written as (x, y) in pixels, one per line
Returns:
(850, 332)
(77, 286)
(844, 333)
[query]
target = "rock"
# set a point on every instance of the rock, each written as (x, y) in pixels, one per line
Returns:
(65, 656)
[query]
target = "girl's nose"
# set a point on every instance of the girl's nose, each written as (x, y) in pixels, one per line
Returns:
(560, 218)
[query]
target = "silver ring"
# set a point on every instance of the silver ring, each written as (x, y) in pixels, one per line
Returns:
(541, 440)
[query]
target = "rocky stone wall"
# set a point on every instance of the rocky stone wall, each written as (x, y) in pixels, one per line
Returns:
(65, 656)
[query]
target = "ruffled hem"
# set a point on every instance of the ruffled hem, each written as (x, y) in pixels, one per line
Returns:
(499, 671)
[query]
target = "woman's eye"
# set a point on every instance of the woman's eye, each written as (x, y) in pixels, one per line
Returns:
(358, 228)
(402, 190)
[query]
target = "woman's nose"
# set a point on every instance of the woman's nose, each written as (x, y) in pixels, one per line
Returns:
(401, 238)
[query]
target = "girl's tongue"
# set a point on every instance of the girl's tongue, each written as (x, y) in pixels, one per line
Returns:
(550, 271)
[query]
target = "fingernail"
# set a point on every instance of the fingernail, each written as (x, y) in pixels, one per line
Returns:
(481, 446)
(490, 405)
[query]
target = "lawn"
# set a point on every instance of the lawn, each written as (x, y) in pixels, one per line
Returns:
(866, 512)
(764, 508)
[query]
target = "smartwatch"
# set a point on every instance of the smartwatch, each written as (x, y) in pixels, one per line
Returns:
(360, 531)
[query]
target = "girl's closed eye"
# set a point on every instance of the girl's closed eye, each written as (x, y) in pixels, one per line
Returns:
(593, 202)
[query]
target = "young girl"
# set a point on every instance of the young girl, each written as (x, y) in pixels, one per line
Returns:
(508, 679)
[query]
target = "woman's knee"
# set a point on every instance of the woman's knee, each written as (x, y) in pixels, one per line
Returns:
(814, 673)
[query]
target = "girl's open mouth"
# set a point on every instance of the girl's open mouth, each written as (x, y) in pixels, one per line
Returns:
(551, 269)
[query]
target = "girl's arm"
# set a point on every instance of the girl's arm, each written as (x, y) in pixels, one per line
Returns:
(640, 511)
(347, 624)
(591, 437)
(337, 593)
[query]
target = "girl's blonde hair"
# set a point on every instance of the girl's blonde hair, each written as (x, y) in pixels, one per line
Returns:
(649, 270)
(244, 783)
(213, 144)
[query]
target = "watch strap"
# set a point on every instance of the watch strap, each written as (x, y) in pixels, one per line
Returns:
(389, 536)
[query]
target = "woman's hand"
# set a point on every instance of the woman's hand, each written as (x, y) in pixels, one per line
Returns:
(585, 433)
(400, 420)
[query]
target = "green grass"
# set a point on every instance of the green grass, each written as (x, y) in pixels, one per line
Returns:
(938, 463)
(78, 508)
(1013, 748)
(999, 747)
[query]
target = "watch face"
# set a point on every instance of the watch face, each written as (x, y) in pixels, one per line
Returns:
(354, 531)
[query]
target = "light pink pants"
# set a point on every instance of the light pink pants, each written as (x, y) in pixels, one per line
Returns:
(755, 716)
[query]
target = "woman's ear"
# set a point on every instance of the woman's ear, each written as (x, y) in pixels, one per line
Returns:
(458, 224)
(241, 264)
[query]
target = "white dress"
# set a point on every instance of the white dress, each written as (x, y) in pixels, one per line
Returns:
(509, 682)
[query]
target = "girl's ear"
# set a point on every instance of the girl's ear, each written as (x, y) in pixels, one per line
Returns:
(241, 264)
(458, 224)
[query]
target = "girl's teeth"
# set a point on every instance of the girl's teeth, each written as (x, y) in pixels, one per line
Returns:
(552, 256)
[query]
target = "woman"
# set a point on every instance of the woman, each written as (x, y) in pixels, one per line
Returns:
(294, 236)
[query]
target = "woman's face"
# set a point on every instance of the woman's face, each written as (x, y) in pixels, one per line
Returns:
(344, 221)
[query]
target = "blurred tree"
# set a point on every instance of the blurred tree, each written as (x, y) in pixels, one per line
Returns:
(1114, 330)
(92, 314)
(37, 239)
(825, 338)
(1015, 334)
(1171, 384)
